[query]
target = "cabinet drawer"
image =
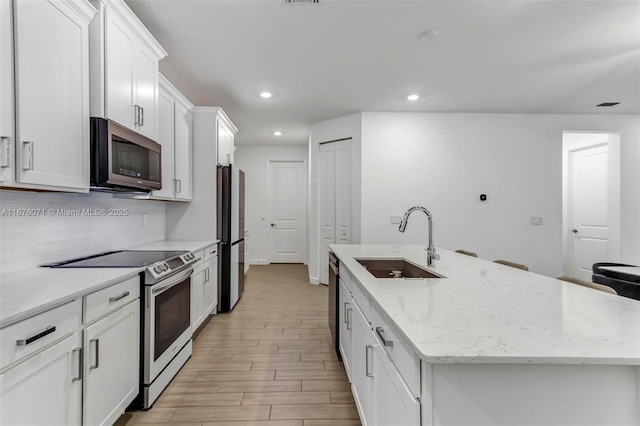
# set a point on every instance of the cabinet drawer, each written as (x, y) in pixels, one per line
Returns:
(27, 337)
(346, 277)
(210, 252)
(362, 299)
(111, 298)
(399, 351)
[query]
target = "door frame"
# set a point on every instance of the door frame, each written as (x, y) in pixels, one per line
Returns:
(305, 231)
(614, 220)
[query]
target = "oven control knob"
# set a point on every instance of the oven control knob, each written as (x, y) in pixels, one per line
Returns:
(165, 267)
(189, 256)
(157, 269)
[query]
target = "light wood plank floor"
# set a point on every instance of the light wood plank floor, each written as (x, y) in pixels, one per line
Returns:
(270, 362)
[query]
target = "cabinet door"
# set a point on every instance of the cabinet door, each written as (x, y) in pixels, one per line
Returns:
(46, 389)
(6, 100)
(120, 49)
(361, 364)
(165, 139)
(345, 316)
(393, 404)
(210, 286)
(223, 152)
(52, 89)
(197, 297)
(183, 152)
(146, 91)
(111, 365)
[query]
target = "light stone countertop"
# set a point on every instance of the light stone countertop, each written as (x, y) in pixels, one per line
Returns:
(483, 312)
(27, 293)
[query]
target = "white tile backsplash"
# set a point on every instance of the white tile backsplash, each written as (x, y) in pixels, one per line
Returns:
(29, 241)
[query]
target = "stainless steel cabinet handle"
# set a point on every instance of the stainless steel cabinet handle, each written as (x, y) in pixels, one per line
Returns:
(97, 363)
(79, 376)
(24, 342)
(349, 318)
(179, 185)
(366, 362)
(122, 296)
(141, 116)
(206, 275)
(379, 331)
(136, 114)
(6, 142)
(346, 305)
(27, 159)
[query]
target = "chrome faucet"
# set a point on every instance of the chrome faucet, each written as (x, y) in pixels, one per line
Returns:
(431, 250)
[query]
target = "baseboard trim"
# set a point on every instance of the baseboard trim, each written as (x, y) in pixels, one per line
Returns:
(259, 262)
(314, 280)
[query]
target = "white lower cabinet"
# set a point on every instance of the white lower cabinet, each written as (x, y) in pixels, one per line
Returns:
(379, 389)
(46, 389)
(393, 402)
(111, 365)
(210, 290)
(344, 319)
(197, 299)
(361, 365)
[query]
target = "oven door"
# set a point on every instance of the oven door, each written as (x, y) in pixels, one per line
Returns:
(167, 322)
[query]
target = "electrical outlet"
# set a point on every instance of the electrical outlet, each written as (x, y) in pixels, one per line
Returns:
(145, 220)
(396, 219)
(536, 220)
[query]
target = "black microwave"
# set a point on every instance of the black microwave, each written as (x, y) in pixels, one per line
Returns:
(123, 160)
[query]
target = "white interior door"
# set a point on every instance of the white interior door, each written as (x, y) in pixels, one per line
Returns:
(589, 208)
(327, 177)
(343, 192)
(286, 204)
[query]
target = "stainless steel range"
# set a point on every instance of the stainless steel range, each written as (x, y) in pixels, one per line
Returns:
(166, 321)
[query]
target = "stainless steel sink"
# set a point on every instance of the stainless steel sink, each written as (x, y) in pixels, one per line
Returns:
(395, 268)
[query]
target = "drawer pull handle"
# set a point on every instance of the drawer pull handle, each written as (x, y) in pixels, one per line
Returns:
(46, 332)
(97, 364)
(366, 362)
(122, 296)
(384, 341)
(345, 312)
(349, 319)
(79, 376)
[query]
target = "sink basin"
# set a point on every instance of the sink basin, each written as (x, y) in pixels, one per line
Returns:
(383, 268)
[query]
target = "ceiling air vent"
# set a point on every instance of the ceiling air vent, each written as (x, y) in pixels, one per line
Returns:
(608, 104)
(301, 1)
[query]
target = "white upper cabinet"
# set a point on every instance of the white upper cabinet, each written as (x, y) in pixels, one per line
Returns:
(182, 152)
(49, 146)
(225, 139)
(174, 135)
(7, 171)
(124, 69)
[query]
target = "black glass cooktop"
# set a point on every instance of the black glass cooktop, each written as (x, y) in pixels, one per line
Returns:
(117, 259)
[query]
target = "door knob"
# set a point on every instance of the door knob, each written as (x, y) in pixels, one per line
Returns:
(575, 231)
(273, 225)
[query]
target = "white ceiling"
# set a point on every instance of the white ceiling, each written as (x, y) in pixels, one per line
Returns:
(337, 57)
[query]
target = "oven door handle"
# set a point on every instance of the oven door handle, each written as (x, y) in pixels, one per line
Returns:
(178, 279)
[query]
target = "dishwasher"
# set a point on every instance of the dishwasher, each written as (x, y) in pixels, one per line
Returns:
(334, 302)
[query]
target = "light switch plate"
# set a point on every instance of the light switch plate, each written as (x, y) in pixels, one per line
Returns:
(536, 220)
(396, 219)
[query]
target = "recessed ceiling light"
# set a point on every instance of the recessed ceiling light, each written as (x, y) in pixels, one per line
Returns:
(276, 133)
(265, 95)
(413, 97)
(429, 35)
(608, 104)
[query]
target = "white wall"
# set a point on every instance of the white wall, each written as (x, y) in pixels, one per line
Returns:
(349, 126)
(29, 241)
(445, 161)
(253, 160)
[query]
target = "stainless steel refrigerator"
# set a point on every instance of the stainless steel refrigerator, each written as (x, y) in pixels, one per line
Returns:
(230, 193)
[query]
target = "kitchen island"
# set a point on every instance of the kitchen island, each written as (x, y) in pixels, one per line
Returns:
(484, 344)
